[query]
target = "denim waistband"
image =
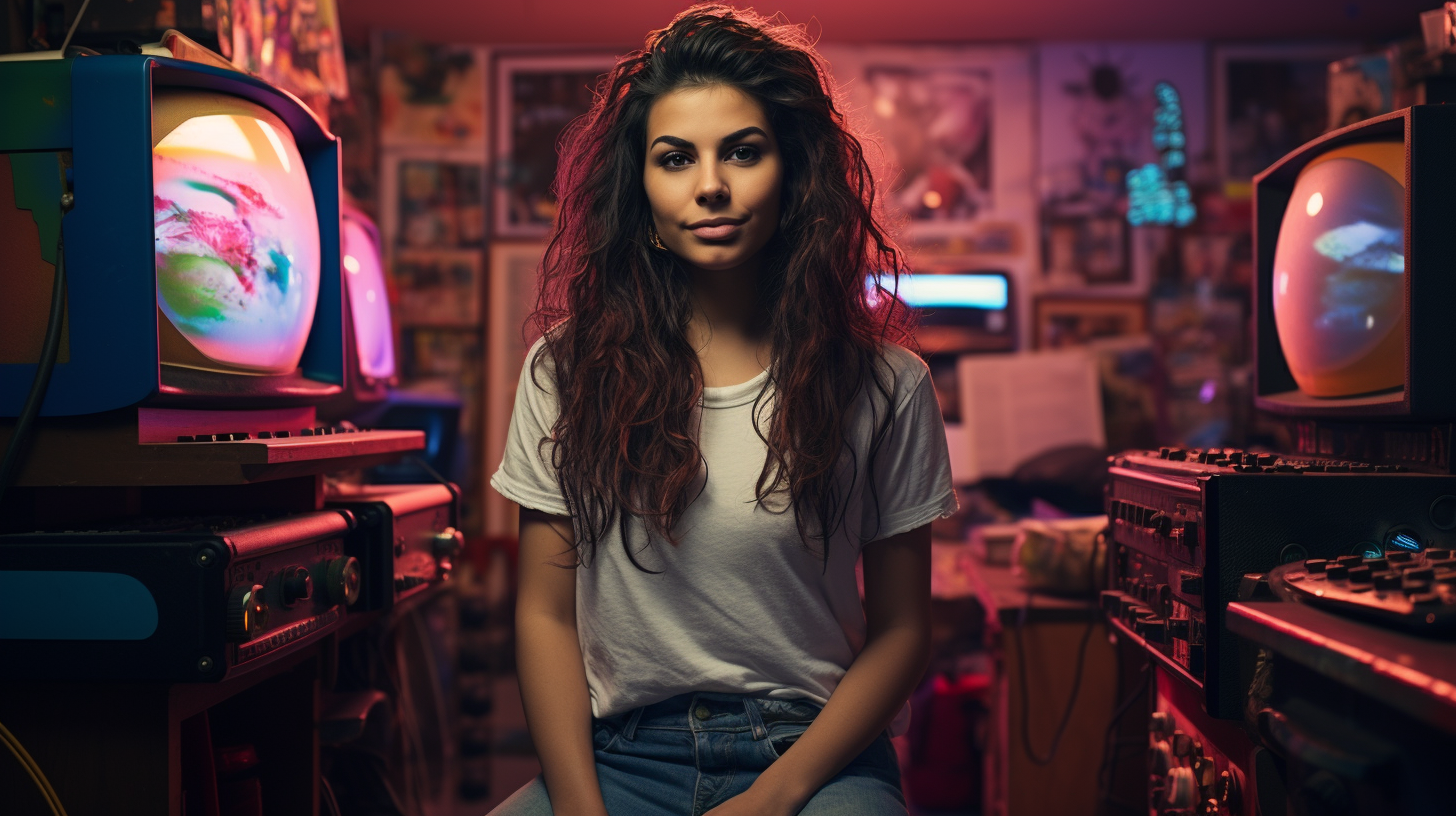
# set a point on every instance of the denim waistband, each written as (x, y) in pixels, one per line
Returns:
(712, 711)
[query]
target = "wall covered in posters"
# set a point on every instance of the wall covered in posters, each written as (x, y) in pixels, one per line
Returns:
(952, 140)
(1097, 108)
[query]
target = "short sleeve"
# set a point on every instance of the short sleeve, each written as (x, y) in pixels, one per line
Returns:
(912, 467)
(526, 475)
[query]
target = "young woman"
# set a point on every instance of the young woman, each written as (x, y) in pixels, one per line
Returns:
(714, 428)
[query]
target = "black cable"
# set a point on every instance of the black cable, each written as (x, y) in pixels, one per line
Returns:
(50, 348)
(1031, 753)
(449, 485)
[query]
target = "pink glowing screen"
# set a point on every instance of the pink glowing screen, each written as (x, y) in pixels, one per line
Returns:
(364, 277)
(237, 240)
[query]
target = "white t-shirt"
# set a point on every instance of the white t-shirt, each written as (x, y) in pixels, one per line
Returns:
(740, 604)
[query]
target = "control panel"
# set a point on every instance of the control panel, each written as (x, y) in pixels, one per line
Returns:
(181, 600)
(406, 539)
(1188, 525)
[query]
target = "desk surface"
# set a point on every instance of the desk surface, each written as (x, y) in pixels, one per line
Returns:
(1416, 675)
(956, 572)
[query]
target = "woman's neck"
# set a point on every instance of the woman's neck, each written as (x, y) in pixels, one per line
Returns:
(727, 327)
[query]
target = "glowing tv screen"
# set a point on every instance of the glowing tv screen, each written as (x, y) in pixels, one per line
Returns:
(1339, 272)
(237, 239)
(368, 300)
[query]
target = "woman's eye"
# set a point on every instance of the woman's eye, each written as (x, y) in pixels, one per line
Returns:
(743, 153)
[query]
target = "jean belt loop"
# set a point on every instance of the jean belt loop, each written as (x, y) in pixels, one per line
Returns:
(629, 731)
(755, 718)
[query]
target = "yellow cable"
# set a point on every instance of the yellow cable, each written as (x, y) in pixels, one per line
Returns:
(36, 774)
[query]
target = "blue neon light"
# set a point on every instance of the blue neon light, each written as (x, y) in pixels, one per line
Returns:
(1405, 542)
(1156, 192)
(964, 291)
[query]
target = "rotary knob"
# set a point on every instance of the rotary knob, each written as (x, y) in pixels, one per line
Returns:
(445, 545)
(1160, 758)
(343, 580)
(247, 612)
(1180, 790)
(297, 585)
(1161, 722)
(1229, 790)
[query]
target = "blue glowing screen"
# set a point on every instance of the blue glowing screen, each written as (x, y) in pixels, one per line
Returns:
(962, 291)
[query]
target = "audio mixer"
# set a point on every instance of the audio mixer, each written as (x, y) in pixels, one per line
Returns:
(1188, 524)
(185, 600)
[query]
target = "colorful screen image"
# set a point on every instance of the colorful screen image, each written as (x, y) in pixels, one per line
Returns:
(237, 240)
(1339, 273)
(368, 301)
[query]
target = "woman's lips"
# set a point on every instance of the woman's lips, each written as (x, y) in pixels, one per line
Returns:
(717, 232)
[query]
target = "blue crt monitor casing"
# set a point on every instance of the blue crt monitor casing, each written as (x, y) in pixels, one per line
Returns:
(87, 124)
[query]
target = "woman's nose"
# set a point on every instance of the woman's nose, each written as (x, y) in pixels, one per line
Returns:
(712, 187)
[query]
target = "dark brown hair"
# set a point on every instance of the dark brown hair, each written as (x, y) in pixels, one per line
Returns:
(613, 309)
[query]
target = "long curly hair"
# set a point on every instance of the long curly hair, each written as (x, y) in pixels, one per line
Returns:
(613, 310)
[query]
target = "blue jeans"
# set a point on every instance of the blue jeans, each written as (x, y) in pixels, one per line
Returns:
(686, 755)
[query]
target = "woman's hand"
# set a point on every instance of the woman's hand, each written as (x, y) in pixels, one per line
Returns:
(758, 800)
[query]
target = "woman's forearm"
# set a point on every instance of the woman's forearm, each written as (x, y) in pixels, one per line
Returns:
(558, 712)
(863, 705)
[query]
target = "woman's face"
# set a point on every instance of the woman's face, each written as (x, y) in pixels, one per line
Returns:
(712, 175)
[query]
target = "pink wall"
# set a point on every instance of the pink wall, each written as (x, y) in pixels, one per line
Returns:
(624, 22)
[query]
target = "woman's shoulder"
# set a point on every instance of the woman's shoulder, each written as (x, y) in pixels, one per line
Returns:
(905, 367)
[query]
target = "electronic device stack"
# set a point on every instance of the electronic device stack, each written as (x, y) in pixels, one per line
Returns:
(186, 300)
(1257, 581)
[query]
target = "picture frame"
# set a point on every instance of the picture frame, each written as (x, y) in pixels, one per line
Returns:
(421, 106)
(1064, 322)
(512, 297)
(437, 287)
(433, 200)
(1268, 100)
(536, 97)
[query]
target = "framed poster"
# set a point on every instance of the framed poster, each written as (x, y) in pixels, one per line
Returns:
(1062, 322)
(513, 269)
(437, 287)
(1268, 100)
(537, 96)
(430, 95)
(434, 203)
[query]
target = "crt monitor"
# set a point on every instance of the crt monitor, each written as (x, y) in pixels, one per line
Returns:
(201, 253)
(1354, 247)
(957, 312)
(370, 368)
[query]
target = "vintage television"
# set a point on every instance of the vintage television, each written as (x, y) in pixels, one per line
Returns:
(958, 312)
(204, 301)
(1354, 247)
(202, 251)
(370, 367)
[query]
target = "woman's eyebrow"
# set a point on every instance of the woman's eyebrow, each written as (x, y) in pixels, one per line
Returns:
(732, 137)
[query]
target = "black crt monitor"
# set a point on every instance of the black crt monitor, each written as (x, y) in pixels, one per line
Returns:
(1354, 244)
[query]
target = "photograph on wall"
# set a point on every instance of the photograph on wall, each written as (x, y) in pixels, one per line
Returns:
(1268, 100)
(512, 298)
(294, 44)
(537, 96)
(1086, 250)
(430, 95)
(1363, 86)
(437, 287)
(950, 133)
(440, 204)
(1100, 107)
(1063, 322)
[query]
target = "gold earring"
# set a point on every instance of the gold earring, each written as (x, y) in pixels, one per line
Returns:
(656, 239)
